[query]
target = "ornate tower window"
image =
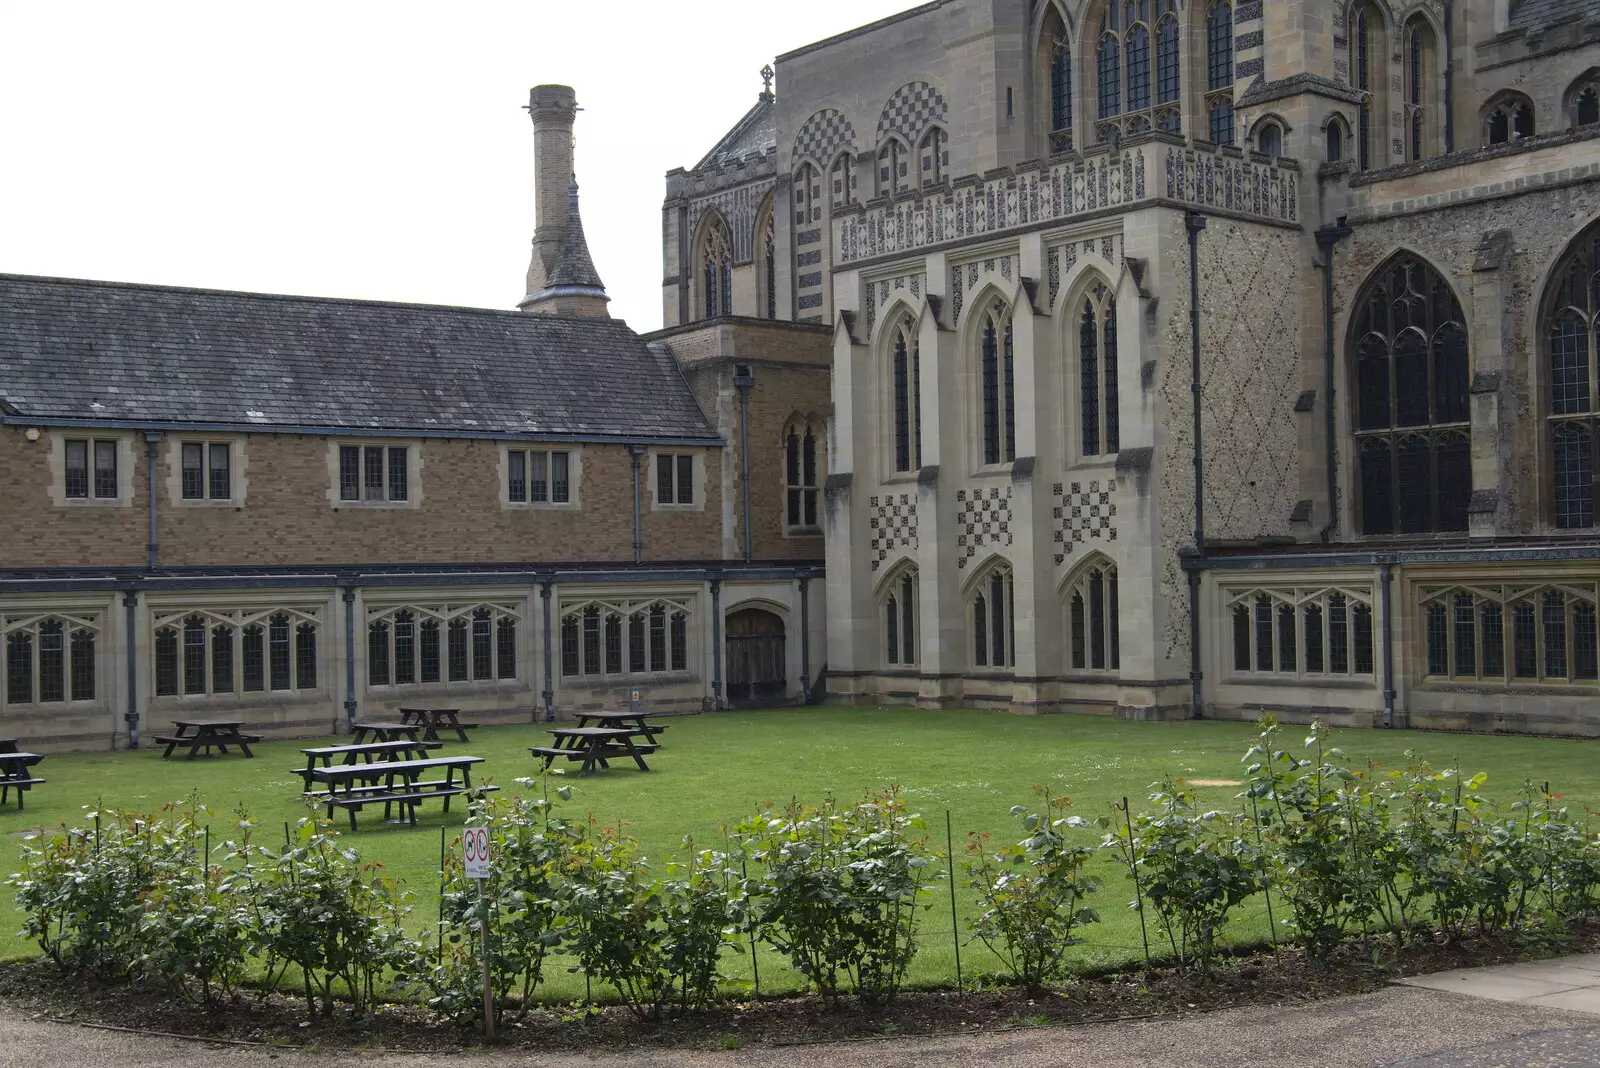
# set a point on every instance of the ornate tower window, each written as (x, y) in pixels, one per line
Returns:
(906, 384)
(1586, 105)
(716, 269)
(997, 381)
(1420, 66)
(1123, 68)
(1060, 88)
(1092, 618)
(1219, 72)
(900, 619)
(1366, 78)
(1410, 357)
(1097, 372)
(993, 625)
(1509, 119)
(1571, 320)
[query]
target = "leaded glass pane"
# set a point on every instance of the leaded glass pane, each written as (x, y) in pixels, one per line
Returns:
(1264, 660)
(1138, 68)
(378, 654)
(83, 665)
(506, 648)
(991, 393)
(1338, 634)
(1555, 636)
(1466, 636)
(1524, 641)
(456, 649)
(222, 658)
(1584, 664)
(428, 650)
(1167, 61)
(591, 641)
(482, 645)
(253, 657)
(1361, 628)
(52, 661)
(1312, 620)
(194, 655)
(279, 658)
(1089, 379)
(1491, 631)
(166, 663)
(1109, 77)
(305, 656)
(1219, 51)
(1438, 640)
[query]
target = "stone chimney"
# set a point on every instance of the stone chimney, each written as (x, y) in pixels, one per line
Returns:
(561, 277)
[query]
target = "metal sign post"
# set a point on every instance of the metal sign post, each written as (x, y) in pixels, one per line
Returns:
(475, 850)
(633, 701)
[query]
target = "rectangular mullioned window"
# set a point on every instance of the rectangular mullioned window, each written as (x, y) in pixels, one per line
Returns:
(538, 476)
(1303, 633)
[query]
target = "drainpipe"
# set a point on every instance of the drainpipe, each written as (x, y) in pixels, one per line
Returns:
(130, 601)
(1386, 636)
(1194, 222)
(150, 439)
(743, 380)
(1327, 237)
(716, 643)
(1449, 77)
(805, 641)
(636, 453)
(349, 659)
(549, 693)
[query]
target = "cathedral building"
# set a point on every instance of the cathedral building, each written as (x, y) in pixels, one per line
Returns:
(1189, 358)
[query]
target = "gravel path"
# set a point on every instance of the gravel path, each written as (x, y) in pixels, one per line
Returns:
(1373, 1029)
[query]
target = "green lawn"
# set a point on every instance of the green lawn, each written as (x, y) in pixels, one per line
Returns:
(717, 768)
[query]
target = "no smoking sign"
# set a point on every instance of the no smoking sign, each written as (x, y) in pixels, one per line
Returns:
(475, 849)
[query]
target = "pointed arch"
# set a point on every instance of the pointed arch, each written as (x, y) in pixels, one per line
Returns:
(1420, 87)
(842, 179)
(1335, 138)
(898, 600)
(804, 456)
(901, 346)
(1367, 23)
(1267, 133)
(1089, 326)
(893, 166)
(1569, 351)
(1507, 116)
(766, 249)
(1052, 56)
(713, 266)
(994, 358)
(1133, 48)
(933, 155)
(991, 614)
(1582, 99)
(1091, 601)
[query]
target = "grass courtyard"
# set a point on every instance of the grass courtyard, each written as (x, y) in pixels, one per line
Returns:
(716, 769)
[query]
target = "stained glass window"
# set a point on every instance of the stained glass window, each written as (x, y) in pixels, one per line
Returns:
(1571, 319)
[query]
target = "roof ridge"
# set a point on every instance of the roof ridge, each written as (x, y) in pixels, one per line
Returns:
(764, 102)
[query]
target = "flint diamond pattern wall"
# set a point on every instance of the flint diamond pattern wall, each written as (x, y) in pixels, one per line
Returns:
(1085, 512)
(983, 520)
(893, 523)
(823, 136)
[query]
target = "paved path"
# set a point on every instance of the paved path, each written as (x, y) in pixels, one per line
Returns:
(1563, 983)
(1356, 1032)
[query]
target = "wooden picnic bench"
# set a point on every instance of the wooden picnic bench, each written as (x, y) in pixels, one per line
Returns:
(382, 731)
(633, 721)
(371, 754)
(207, 734)
(14, 774)
(353, 786)
(434, 720)
(593, 745)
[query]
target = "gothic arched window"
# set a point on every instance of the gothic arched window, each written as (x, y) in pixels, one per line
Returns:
(1334, 135)
(1367, 78)
(1219, 72)
(716, 269)
(934, 154)
(1571, 323)
(1128, 84)
(1420, 63)
(1409, 352)
(900, 619)
(893, 168)
(769, 262)
(843, 179)
(1509, 119)
(906, 379)
(1060, 89)
(800, 441)
(807, 195)
(997, 380)
(1093, 641)
(993, 625)
(1509, 633)
(1097, 372)
(51, 659)
(1269, 139)
(1586, 106)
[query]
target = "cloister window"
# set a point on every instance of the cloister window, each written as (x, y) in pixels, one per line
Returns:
(1060, 88)
(1134, 94)
(49, 659)
(1418, 84)
(893, 164)
(601, 639)
(900, 619)
(1504, 633)
(1367, 78)
(1093, 639)
(1508, 120)
(1314, 632)
(425, 644)
(906, 376)
(1219, 72)
(218, 653)
(1409, 351)
(716, 269)
(934, 154)
(1097, 372)
(999, 410)
(993, 626)
(1571, 332)
(800, 441)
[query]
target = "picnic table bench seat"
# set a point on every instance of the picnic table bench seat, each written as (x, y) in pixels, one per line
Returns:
(14, 772)
(408, 801)
(354, 786)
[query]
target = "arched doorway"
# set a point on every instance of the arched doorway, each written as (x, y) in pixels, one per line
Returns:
(756, 659)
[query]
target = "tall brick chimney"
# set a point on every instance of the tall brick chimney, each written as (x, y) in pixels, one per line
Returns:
(562, 279)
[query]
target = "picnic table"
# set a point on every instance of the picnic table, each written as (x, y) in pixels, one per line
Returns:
(593, 745)
(8, 745)
(370, 753)
(632, 721)
(352, 786)
(14, 774)
(386, 732)
(434, 720)
(207, 734)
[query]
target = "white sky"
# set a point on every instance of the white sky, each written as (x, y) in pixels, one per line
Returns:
(350, 148)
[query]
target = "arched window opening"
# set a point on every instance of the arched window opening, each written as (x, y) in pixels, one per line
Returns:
(1060, 89)
(1133, 92)
(993, 626)
(1571, 334)
(601, 640)
(998, 385)
(1097, 372)
(1093, 620)
(893, 168)
(1334, 137)
(1308, 633)
(219, 653)
(403, 646)
(1269, 139)
(1420, 66)
(1509, 120)
(768, 258)
(800, 478)
(900, 620)
(906, 376)
(843, 179)
(1367, 77)
(807, 196)
(1586, 106)
(1509, 634)
(50, 659)
(934, 156)
(1410, 359)
(1219, 72)
(716, 269)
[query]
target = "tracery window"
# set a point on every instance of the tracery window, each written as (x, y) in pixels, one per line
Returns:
(1544, 633)
(1409, 347)
(1418, 83)
(1097, 372)
(934, 153)
(199, 653)
(426, 644)
(893, 164)
(1571, 334)
(900, 619)
(997, 381)
(906, 386)
(1316, 631)
(1093, 640)
(716, 269)
(1219, 72)
(607, 638)
(1060, 88)
(1586, 105)
(800, 444)
(993, 626)
(1508, 120)
(843, 178)
(1135, 95)
(1367, 77)
(49, 659)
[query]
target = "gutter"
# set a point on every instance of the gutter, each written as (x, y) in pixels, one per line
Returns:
(1194, 222)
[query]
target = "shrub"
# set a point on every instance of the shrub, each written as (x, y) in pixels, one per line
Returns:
(839, 890)
(193, 935)
(1033, 893)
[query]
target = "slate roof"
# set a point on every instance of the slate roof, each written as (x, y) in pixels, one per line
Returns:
(79, 349)
(756, 132)
(1536, 14)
